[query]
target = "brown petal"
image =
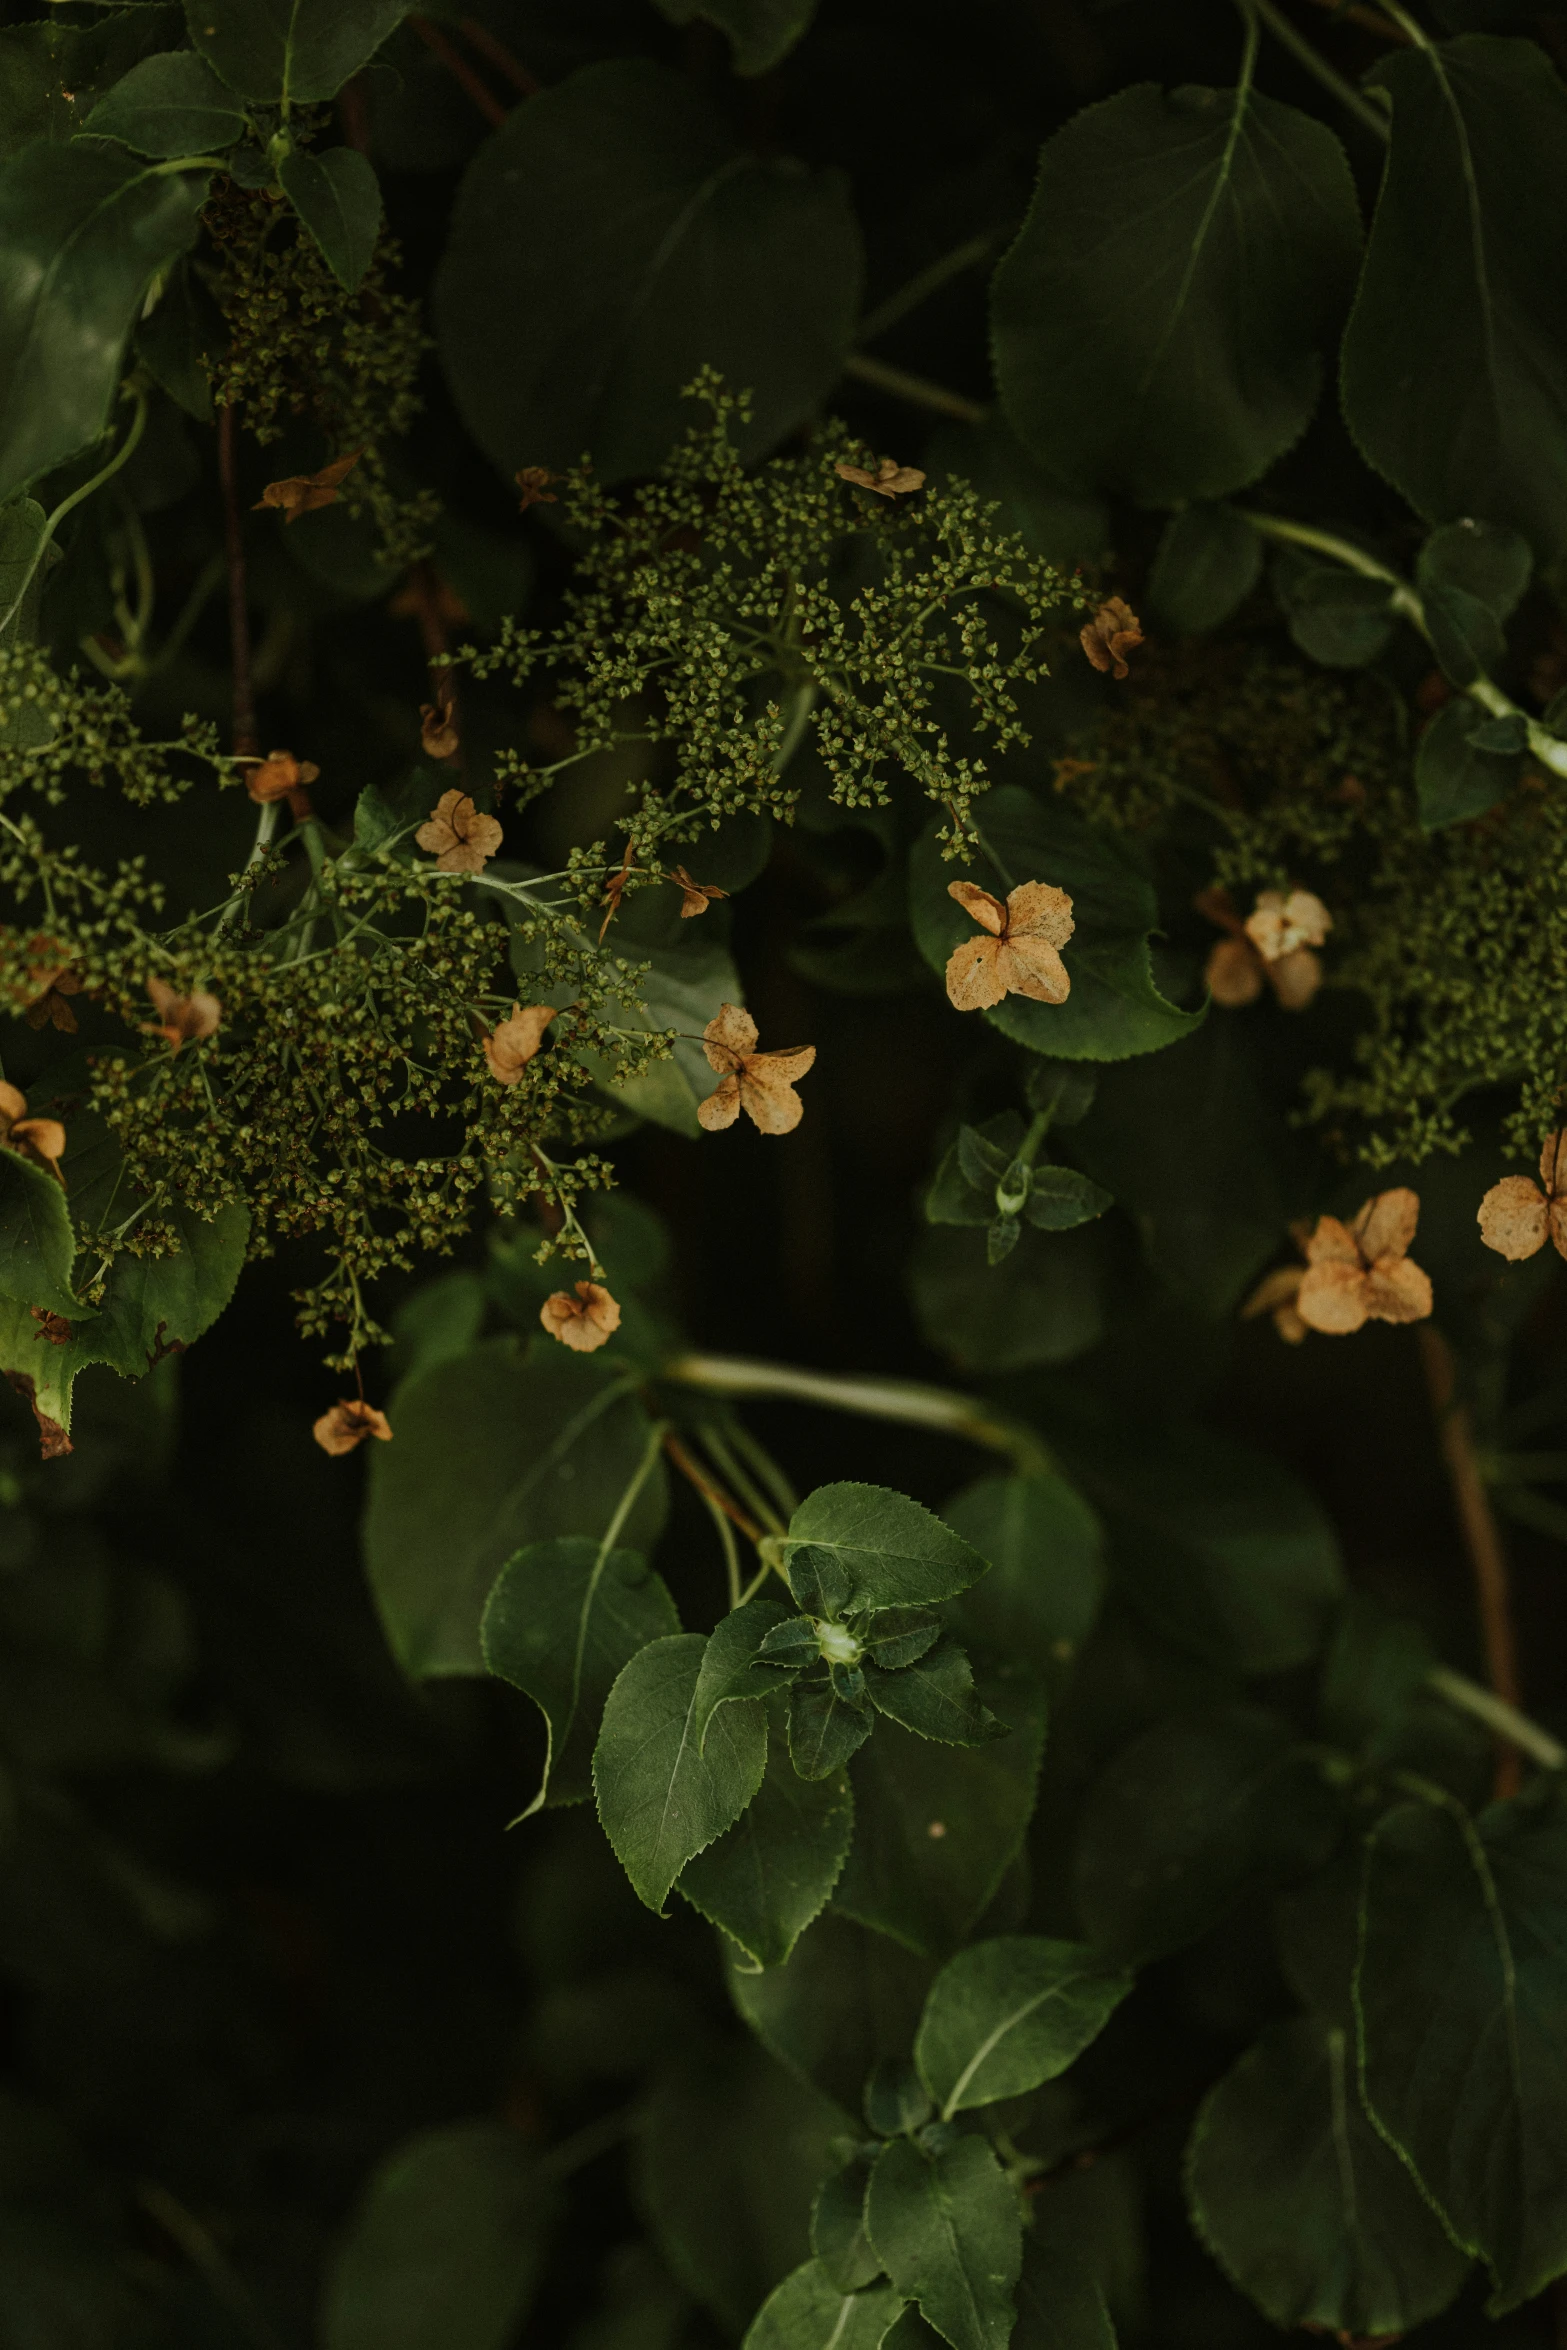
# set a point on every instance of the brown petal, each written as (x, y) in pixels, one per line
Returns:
(974, 975)
(13, 1105)
(1234, 973)
(1037, 909)
(534, 481)
(722, 1106)
(1386, 1225)
(439, 830)
(767, 1093)
(39, 1138)
(987, 911)
(1306, 914)
(1559, 1226)
(1514, 1218)
(1295, 978)
(1274, 1290)
(584, 1321)
(302, 493)
(1397, 1290)
(727, 1038)
(347, 1425)
(1332, 1243)
(515, 1040)
(1032, 968)
(1553, 1163)
(1334, 1298)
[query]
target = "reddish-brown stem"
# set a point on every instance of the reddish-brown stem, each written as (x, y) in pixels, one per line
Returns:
(246, 741)
(713, 1493)
(1482, 1540)
(1367, 19)
(487, 45)
(460, 70)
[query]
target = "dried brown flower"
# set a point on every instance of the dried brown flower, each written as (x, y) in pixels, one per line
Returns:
(51, 978)
(439, 737)
(1017, 950)
(583, 1322)
(534, 483)
(428, 595)
(182, 1019)
(761, 1084)
(615, 892)
(1279, 925)
(1239, 967)
(457, 836)
(1276, 1294)
(890, 479)
(1517, 1217)
(348, 1423)
(54, 1327)
(513, 1043)
(1110, 635)
(1361, 1272)
(302, 493)
(280, 776)
(40, 1139)
(695, 896)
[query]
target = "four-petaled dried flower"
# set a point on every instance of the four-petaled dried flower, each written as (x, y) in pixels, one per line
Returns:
(1360, 1272)
(1517, 1217)
(1241, 965)
(584, 1321)
(40, 1139)
(51, 978)
(54, 1327)
(695, 896)
(534, 483)
(1279, 925)
(457, 836)
(513, 1043)
(302, 493)
(183, 1019)
(438, 734)
(890, 479)
(761, 1084)
(1110, 635)
(280, 776)
(347, 1425)
(1017, 951)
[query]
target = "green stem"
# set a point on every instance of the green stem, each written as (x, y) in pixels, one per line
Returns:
(766, 1468)
(920, 287)
(801, 702)
(941, 1409)
(106, 473)
(588, 2143)
(1412, 32)
(731, 1470)
(260, 850)
(639, 1477)
(1504, 1720)
(1331, 79)
(918, 390)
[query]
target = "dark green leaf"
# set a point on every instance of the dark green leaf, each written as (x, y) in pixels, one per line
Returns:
(1009, 2014)
(563, 1618)
(808, 2312)
(1455, 358)
(1160, 322)
(897, 1636)
(21, 582)
(771, 1874)
(1508, 733)
(608, 242)
(852, 1547)
(184, 328)
(1045, 1545)
(1114, 1008)
(825, 1729)
(1188, 1818)
(300, 52)
(1376, 1670)
(1303, 2204)
(845, 1999)
(1063, 523)
(949, 2231)
(1062, 1093)
(1042, 1306)
(152, 1304)
(1478, 559)
(338, 198)
(1209, 560)
(1059, 1199)
(1453, 780)
(493, 1452)
(444, 2250)
(1458, 1992)
(1339, 617)
(1060, 2304)
(762, 31)
(935, 1697)
(83, 230)
(730, 1670)
(169, 105)
(662, 1800)
(1466, 635)
(896, 2101)
(37, 1239)
(838, 2236)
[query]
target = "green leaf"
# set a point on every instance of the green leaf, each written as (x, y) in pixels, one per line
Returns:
(1466, 635)
(843, 2000)
(896, 2101)
(1375, 1672)
(611, 239)
(1338, 617)
(825, 1729)
(1064, 524)
(1060, 1198)
(772, 1873)
(1209, 560)
(762, 31)
(1458, 1994)
(730, 1670)
(935, 1827)
(1158, 325)
(184, 328)
(949, 2231)
(1114, 1008)
(84, 228)
(153, 1304)
(445, 2248)
(1041, 1305)
(493, 1452)
(683, 989)
(338, 197)
(1455, 357)
(1188, 1818)
(660, 1797)
(807, 2311)
(838, 2236)
(1046, 1549)
(1009, 2014)
(1060, 2303)
(1454, 781)
(169, 105)
(300, 52)
(37, 1239)
(1479, 560)
(563, 1618)
(852, 1547)
(21, 574)
(1302, 2204)
(935, 1697)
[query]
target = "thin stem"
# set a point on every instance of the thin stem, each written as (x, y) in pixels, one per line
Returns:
(766, 1468)
(588, 2143)
(460, 70)
(105, 473)
(938, 1408)
(800, 704)
(926, 282)
(639, 1477)
(727, 1543)
(710, 1492)
(729, 1468)
(1367, 19)
(1414, 33)
(917, 389)
(487, 45)
(223, 2280)
(1504, 1719)
(1316, 64)
(1482, 1540)
(246, 742)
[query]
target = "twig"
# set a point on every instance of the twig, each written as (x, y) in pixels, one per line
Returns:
(487, 45)
(1487, 1559)
(460, 70)
(940, 1408)
(928, 281)
(917, 389)
(1507, 1722)
(709, 1491)
(246, 741)
(1316, 64)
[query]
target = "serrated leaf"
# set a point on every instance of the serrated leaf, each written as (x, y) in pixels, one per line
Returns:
(838, 2236)
(1338, 617)
(1009, 2014)
(1480, 559)
(299, 52)
(1300, 2201)
(772, 1873)
(852, 1547)
(935, 1697)
(808, 2312)
(562, 1619)
(1060, 2302)
(1209, 560)
(730, 1667)
(169, 105)
(825, 1729)
(1160, 322)
(37, 1238)
(660, 1798)
(1046, 1547)
(1060, 1198)
(949, 2231)
(338, 197)
(21, 532)
(1454, 779)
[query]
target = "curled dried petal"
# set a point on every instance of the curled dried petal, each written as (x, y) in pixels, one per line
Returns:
(1386, 1225)
(302, 493)
(13, 1105)
(1295, 978)
(534, 483)
(1553, 1164)
(1332, 1243)
(767, 1094)
(584, 1321)
(890, 479)
(1397, 1290)
(1514, 1218)
(1233, 973)
(347, 1425)
(728, 1037)
(514, 1041)
(695, 896)
(183, 1019)
(722, 1106)
(1111, 635)
(280, 776)
(989, 912)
